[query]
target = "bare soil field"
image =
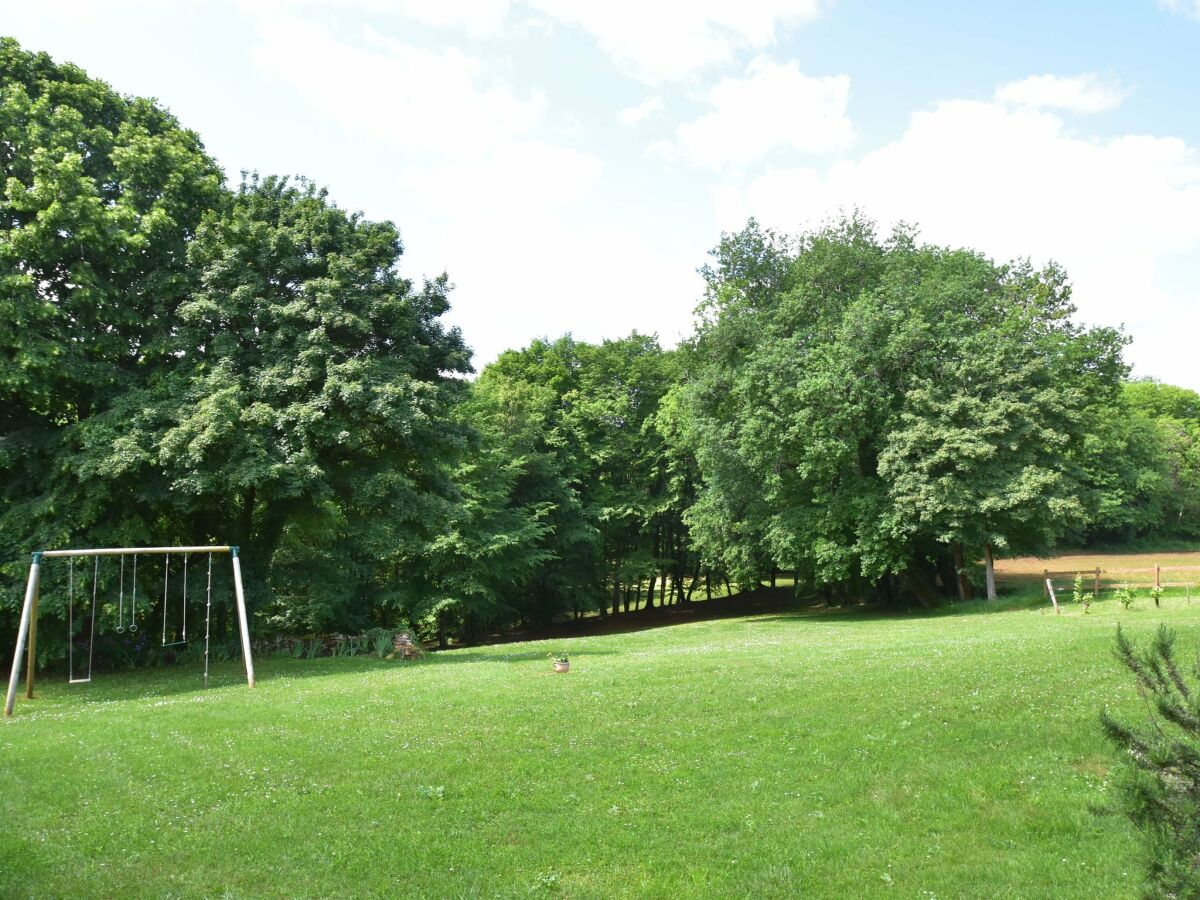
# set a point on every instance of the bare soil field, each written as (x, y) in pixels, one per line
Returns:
(1176, 567)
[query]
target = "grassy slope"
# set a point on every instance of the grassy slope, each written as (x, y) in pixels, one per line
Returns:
(945, 755)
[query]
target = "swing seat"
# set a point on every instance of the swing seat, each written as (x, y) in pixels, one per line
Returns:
(79, 680)
(175, 643)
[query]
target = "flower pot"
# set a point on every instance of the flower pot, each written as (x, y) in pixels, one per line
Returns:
(562, 667)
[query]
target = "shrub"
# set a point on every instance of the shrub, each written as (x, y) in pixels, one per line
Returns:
(380, 641)
(1126, 596)
(1080, 597)
(1159, 788)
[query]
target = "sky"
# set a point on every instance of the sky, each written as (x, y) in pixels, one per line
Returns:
(571, 163)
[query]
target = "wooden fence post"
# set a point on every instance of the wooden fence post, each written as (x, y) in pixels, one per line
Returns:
(1053, 599)
(1096, 588)
(1046, 582)
(1157, 575)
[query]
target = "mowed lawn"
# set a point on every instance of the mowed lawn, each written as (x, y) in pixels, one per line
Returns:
(954, 754)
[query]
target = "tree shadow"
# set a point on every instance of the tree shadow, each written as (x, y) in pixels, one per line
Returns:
(764, 604)
(769, 603)
(160, 683)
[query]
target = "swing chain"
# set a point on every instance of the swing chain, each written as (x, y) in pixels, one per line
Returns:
(71, 679)
(182, 634)
(121, 599)
(166, 578)
(185, 565)
(121, 625)
(207, 617)
(71, 618)
(133, 598)
(92, 633)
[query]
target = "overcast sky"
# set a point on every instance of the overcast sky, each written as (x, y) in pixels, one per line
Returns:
(570, 163)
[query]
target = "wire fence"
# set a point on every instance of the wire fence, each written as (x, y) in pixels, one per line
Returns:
(1098, 579)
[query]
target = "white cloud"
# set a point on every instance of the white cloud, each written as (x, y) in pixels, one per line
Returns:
(636, 115)
(656, 42)
(521, 178)
(1186, 7)
(496, 202)
(439, 101)
(479, 17)
(466, 140)
(650, 41)
(1086, 93)
(776, 106)
(1014, 182)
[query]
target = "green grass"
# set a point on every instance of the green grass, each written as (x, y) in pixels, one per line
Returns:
(945, 755)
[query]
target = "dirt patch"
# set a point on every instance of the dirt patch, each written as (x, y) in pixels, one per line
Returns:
(1176, 567)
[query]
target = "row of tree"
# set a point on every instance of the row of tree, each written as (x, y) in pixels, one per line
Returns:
(185, 363)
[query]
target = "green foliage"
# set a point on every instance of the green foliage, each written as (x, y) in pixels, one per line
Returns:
(570, 491)
(1160, 787)
(1156, 593)
(187, 363)
(1125, 596)
(1079, 596)
(198, 366)
(862, 407)
(1141, 459)
(379, 640)
(101, 196)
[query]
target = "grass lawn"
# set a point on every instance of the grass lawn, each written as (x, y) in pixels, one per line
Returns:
(954, 754)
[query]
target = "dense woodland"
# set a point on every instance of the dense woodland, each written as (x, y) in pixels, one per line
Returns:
(182, 362)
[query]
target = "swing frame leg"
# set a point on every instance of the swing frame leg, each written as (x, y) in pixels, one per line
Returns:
(31, 651)
(241, 611)
(31, 592)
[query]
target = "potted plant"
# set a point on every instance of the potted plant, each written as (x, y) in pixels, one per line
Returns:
(561, 662)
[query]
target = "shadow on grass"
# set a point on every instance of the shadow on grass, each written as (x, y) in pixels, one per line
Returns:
(764, 604)
(160, 683)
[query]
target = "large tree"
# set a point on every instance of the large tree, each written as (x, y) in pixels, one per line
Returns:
(307, 412)
(864, 408)
(984, 450)
(101, 194)
(1142, 463)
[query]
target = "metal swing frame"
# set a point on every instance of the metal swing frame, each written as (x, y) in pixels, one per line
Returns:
(28, 625)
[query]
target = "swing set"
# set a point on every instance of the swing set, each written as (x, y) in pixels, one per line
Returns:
(178, 635)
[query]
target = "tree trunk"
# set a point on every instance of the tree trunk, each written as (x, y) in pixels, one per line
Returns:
(772, 576)
(442, 639)
(960, 579)
(991, 571)
(692, 584)
(616, 595)
(708, 584)
(650, 592)
(919, 585)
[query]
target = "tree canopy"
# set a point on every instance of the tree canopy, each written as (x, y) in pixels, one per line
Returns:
(185, 361)
(864, 409)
